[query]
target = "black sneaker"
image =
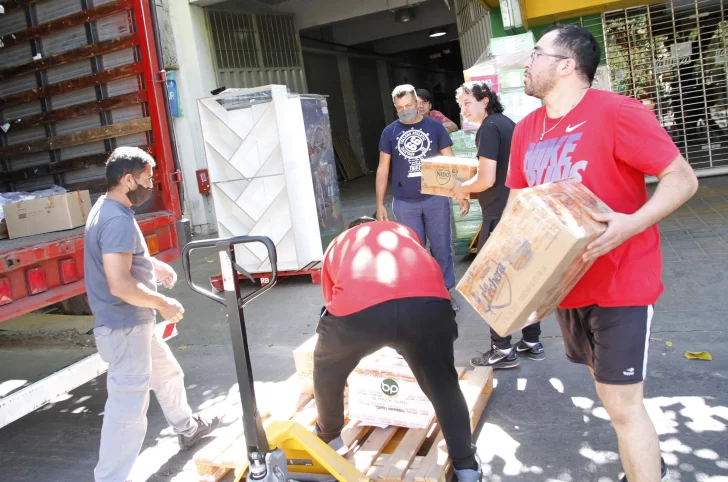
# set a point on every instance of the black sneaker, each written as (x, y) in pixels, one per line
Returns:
(496, 358)
(204, 428)
(534, 351)
(663, 468)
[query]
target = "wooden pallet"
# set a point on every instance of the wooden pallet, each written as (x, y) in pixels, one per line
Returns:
(347, 159)
(312, 269)
(393, 454)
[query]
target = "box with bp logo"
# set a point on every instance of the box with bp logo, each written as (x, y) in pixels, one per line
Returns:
(383, 391)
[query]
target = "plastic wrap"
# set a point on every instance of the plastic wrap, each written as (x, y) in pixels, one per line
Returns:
(502, 68)
(14, 197)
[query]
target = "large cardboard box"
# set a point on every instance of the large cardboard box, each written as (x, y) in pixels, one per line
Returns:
(383, 391)
(533, 258)
(47, 214)
(441, 174)
(303, 360)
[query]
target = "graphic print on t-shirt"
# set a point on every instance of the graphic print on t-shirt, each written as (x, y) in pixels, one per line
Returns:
(551, 159)
(413, 145)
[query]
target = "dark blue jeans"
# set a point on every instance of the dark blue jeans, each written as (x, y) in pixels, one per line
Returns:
(430, 219)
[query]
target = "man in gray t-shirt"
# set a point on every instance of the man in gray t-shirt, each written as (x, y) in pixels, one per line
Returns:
(121, 283)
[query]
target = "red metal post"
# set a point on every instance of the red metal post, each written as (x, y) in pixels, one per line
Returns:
(153, 79)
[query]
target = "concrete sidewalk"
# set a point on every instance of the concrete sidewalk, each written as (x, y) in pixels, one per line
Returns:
(543, 423)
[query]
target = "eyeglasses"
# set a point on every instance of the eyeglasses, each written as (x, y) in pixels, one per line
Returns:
(535, 53)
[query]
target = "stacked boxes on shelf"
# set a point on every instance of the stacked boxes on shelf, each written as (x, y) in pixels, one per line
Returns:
(502, 69)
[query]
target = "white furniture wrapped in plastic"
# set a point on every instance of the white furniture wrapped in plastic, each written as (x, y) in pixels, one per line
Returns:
(261, 176)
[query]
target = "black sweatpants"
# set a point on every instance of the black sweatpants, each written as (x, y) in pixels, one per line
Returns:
(530, 333)
(423, 331)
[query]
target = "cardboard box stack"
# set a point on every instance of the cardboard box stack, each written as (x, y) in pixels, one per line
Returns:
(441, 174)
(383, 391)
(533, 258)
(501, 67)
(464, 228)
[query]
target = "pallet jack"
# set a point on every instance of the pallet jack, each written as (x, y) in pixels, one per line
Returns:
(285, 451)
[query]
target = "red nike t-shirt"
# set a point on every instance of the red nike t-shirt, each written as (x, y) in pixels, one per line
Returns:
(377, 262)
(608, 142)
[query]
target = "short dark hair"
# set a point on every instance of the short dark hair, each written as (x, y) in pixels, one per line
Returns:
(424, 95)
(480, 90)
(402, 90)
(578, 43)
(360, 220)
(126, 160)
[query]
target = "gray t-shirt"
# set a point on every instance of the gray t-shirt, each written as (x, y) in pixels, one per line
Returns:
(111, 228)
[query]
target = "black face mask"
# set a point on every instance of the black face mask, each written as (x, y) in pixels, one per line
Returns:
(140, 195)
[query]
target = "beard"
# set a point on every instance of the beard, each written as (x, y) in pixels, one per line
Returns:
(541, 85)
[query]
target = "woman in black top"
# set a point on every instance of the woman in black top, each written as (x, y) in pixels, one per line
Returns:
(480, 105)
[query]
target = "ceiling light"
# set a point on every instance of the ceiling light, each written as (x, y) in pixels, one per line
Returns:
(438, 32)
(404, 15)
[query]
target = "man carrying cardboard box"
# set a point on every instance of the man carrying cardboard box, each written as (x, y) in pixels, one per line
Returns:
(608, 142)
(403, 145)
(382, 288)
(481, 106)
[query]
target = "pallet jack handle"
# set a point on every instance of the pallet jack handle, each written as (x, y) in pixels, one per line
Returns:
(227, 260)
(255, 437)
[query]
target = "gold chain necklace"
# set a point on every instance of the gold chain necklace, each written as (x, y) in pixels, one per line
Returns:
(544, 131)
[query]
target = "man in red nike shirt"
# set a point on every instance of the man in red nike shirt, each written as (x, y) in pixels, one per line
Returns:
(609, 142)
(382, 288)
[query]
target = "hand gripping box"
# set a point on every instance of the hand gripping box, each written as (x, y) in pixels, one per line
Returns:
(533, 259)
(441, 174)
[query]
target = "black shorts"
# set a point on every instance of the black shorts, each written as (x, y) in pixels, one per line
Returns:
(612, 341)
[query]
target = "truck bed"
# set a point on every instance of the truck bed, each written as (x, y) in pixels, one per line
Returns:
(50, 238)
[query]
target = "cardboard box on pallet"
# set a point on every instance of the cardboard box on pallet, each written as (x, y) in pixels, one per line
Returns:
(533, 258)
(303, 360)
(383, 391)
(442, 173)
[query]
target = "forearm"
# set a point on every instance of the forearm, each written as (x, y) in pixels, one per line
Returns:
(382, 180)
(477, 184)
(673, 190)
(136, 294)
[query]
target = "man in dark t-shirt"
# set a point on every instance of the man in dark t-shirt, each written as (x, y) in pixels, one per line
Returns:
(480, 105)
(403, 146)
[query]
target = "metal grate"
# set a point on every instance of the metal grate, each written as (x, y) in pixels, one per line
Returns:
(234, 40)
(256, 49)
(672, 56)
(248, 41)
(473, 22)
(278, 41)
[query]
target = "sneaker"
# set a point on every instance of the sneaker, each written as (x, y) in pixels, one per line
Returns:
(496, 358)
(339, 447)
(204, 428)
(534, 351)
(663, 469)
(455, 305)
